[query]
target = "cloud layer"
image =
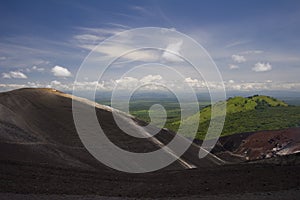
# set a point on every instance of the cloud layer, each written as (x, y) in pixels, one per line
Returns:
(157, 83)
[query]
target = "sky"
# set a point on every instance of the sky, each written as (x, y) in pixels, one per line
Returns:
(255, 44)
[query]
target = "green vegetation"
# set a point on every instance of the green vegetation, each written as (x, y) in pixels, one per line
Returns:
(272, 118)
(249, 114)
(241, 104)
(140, 108)
(242, 115)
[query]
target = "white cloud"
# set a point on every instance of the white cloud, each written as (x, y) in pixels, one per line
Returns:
(237, 43)
(6, 87)
(252, 52)
(119, 25)
(142, 10)
(172, 48)
(238, 58)
(14, 74)
(127, 46)
(6, 75)
(233, 67)
(147, 82)
(35, 68)
(124, 83)
(55, 82)
(127, 83)
(60, 71)
(39, 69)
(151, 78)
(89, 38)
(2, 58)
(90, 85)
(250, 86)
(60, 86)
(262, 67)
(195, 82)
(37, 85)
(115, 51)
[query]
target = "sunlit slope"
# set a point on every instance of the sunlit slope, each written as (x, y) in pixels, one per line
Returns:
(247, 115)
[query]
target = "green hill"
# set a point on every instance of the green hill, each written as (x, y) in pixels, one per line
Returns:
(247, 115)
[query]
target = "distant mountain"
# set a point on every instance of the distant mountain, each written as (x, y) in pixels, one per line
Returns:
(248, 114)
(242, 104)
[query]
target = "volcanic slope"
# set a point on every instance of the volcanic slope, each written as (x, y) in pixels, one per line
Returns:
(37, 126)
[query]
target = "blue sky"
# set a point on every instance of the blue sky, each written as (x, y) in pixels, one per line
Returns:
(255, 44)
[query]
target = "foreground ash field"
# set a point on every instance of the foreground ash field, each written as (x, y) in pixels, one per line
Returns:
(41, 154)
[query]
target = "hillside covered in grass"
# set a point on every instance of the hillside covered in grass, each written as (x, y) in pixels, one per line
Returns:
(248, 114)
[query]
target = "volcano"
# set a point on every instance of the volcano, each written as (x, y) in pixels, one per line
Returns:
(41, 153)
(37, 127)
